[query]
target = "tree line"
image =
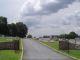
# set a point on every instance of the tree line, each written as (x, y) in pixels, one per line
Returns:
(71, 35)
(14, 29)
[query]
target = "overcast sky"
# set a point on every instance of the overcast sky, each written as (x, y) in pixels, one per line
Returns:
(44, 17)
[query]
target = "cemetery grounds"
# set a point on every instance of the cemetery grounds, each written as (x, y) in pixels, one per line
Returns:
(55, 45)
(9, 54)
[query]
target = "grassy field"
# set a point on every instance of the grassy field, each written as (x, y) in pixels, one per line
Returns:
(9, 54)
(55, 45)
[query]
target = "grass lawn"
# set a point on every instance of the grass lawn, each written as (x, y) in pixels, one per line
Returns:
(55, 45)
(6, 39)
(75, 53)
(9, 54)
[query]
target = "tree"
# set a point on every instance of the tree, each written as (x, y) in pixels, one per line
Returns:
(62, 36)
(72, 35)
(29, 36)
(3, 26)
(45, 36)
(22, 29)
(12, 30)
(19, 29)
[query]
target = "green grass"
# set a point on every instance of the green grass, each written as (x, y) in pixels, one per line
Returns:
(9, 54)
(5, 39)
(75, 53)
(55, 45)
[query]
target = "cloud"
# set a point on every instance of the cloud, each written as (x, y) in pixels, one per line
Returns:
(44, 7)
(31, 22)
(52, 17)
(10, 9)
(74, 19)
(44, 16)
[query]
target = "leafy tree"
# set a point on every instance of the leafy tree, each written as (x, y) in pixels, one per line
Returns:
(3, 26)
(29, 36)
(22, 29)
(19, 29)
(46, 36)
(63, 36)
(12, 29)
(72, 35)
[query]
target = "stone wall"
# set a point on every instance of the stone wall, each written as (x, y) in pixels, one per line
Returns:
(14, 45)
(65, 45)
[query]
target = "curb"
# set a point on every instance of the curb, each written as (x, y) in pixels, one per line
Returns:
(59, 51)
(22, 50)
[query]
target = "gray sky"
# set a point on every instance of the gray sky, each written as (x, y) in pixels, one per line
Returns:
(44, 17)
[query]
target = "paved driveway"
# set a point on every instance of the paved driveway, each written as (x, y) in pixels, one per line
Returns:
(33, 50)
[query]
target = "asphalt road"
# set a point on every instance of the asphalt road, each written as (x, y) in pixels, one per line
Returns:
(33, 50)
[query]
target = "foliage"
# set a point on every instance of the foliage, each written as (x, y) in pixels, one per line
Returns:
(19, 29)
(12, 29)
(3, 26)
(29, 36)
(71, 35)
(46, 36)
